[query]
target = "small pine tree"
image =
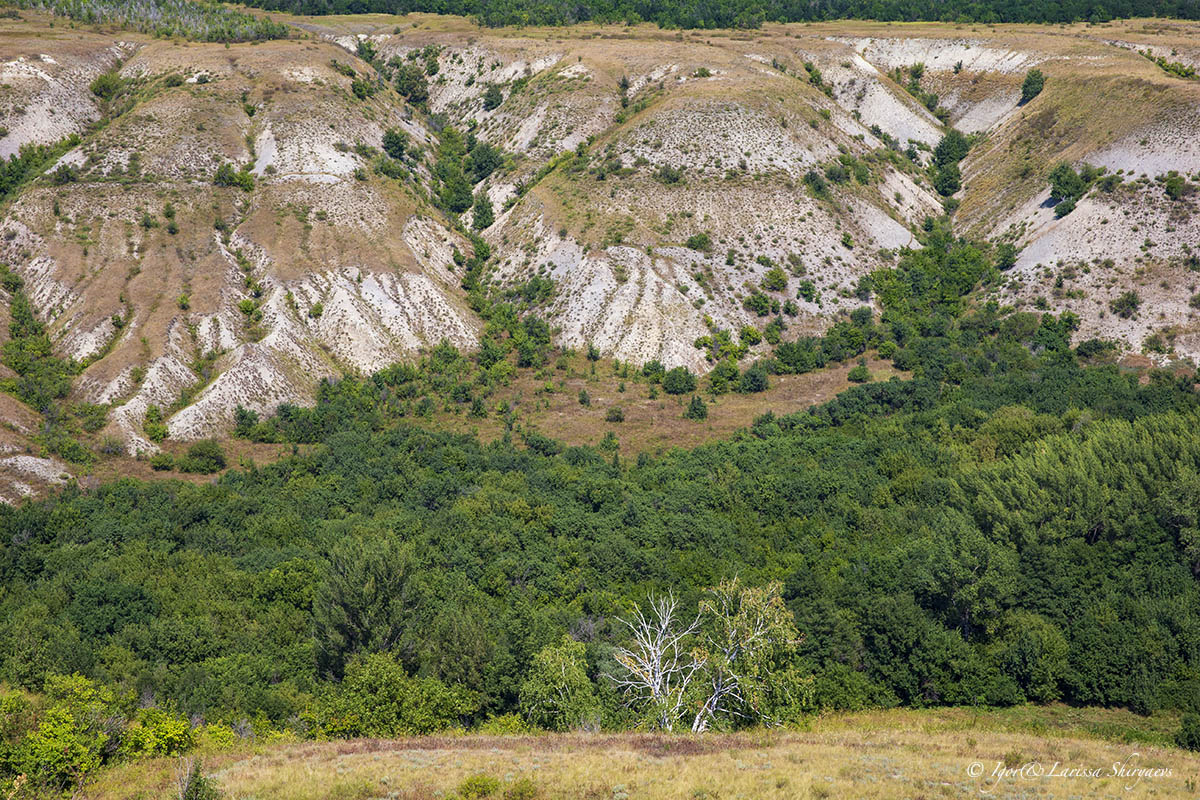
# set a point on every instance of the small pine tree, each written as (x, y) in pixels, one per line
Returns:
(492, 98)
(1032, 87)
(697, 409)
(395, 142)
(482, 212)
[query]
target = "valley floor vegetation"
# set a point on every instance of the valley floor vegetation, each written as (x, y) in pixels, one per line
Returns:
(1017, 523)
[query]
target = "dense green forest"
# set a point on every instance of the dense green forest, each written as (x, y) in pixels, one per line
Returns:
(1017, 522)
(749, 13)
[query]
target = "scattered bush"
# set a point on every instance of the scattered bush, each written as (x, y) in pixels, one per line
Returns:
(395, 143)
(697, 409)
(754, 380)
(1188, 735)
(107, 85)
(775, 280)
(193, 785)
(154, 732)
(669, 175)
(162, 461)
(411, 84)
(615, 414)
(227, 176)
(205, 457)
(492, 98)
(1126, 305)
(478, 786)
(521, 789)
(377, 697)
(1176, 186)
(679, 380)
(1032, 86)
(482, 213)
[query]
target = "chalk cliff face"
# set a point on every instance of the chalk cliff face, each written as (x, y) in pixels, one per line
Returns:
(656, 177)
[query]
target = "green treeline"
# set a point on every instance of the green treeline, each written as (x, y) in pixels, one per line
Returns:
(200, 20)
(749, 13)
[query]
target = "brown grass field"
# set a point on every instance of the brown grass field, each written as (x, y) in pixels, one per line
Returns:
(945, 753)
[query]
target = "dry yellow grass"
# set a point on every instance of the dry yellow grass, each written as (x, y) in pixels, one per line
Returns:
(882, 754)
(651, 424)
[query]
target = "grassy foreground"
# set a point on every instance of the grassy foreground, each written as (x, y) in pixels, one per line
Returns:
(879, 754)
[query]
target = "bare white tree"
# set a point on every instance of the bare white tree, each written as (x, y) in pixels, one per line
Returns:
(659, 667)
(722, 664)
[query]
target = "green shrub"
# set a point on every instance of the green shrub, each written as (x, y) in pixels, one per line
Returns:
(155, 431)
(154, 732)
(860, 374)
(754, 380)
(363, 88)
(226, 175)
(757, 302)
(1032, 86)
(377, 697)
(162, 461)
(1126, 305)
(395, 143)
(1068, 186)
(1176, 186)
(947, 180)
(775, 280)
(205, 457)
(615, 414)
(71, 736)
(492, 98)
(196, 786)
(679, 380)
(107, 85)
(410, 82)
(669, 175)
(951, 149)
(504, 725)
(697, 409)
(91, 416)
(1188, 735)
(66, 173)
(750, 335)
(482, 213)
(522, 789)
(700, 241)
(477, 786)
